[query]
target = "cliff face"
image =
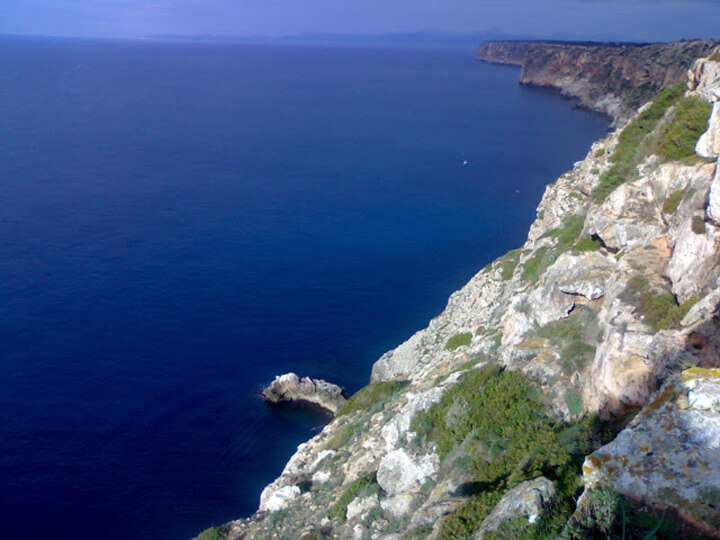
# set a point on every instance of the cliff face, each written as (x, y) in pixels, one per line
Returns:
(477, 426)
(612, 79)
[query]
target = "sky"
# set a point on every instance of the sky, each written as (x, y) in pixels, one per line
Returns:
(634, 20)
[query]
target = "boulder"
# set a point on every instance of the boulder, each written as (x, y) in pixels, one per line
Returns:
(527, 500)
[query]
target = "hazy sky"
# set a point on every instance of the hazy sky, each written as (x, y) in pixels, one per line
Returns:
(609, 19)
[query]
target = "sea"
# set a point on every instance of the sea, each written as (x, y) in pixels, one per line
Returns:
(182, 222)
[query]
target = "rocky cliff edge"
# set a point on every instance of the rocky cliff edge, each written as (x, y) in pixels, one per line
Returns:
(569, 389)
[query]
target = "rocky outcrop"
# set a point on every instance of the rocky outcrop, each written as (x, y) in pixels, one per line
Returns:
(289, 388)
(669, 456)
(613, 79)
(528, 501)
(611, 298)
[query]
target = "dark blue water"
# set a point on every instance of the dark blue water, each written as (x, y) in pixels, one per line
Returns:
(179, 223)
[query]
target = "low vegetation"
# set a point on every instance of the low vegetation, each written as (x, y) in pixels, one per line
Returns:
(568, 233)
(630, 148)
(606, 514)
(672, 202)
(697, 225)
(678, 137)
(536, 265)
(372, 397)
(458, 340)
(659, 308)
(213, 533)
(494, 422)
(364, 485)
(509, 263)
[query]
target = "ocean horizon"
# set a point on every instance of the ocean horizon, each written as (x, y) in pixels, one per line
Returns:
(182, 222)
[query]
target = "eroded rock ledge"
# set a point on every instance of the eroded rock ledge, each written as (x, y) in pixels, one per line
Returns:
(289, 388)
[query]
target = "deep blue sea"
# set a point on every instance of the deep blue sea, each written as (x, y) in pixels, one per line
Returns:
(180, 223)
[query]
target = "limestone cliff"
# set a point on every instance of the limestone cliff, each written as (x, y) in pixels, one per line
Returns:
(613, 79)
(478, 425)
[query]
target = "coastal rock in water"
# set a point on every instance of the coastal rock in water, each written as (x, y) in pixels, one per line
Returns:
(669, 455)
(528, 500)
(290, 388)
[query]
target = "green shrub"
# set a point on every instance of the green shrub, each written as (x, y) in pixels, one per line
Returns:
(659, 308)
(496, 414)
(574, 403)
(672, 202)
(628, 151)
(364, 485)
(509, 263)
(494, 422)
(678, 138)
(458, 340)
(567, 329)
(464, 522)
(371, 397)
(698, 225)
(715, 56)
(568, 232)
(662, 310)
(537, 264)
(587, 244)
(213, 533)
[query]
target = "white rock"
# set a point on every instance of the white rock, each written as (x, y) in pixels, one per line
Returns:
(398, 472)
(272, 500)
(360, 506)
(399, 505)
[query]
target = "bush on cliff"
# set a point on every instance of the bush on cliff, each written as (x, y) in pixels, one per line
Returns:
(364, 485)
(678, 138)
(629, 150)
(213, 533)
(458, 340)
(659, 308)
(372, 397)
(495, 422)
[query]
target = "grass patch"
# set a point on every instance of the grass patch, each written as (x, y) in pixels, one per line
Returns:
(672, 202)
(509, 263)
(536, 265)
(342, 437)
(678, 138)
(364, 485)
(697, 225)
(213, 533)
(659, 308)
(371, 397)
(629, 149)
(587, 244)
(568, 232)
(458, 340)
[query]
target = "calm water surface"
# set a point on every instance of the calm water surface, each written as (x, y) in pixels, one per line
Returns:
(182, 222)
